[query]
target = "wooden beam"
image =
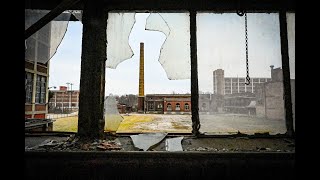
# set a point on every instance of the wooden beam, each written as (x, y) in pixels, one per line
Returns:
(286, 72)
(64, 5)
(92, 78)
(194, 74)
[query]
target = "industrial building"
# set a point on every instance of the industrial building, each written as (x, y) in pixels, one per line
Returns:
(64, 100)
(168, 103)
(231, 85)
(263, 97)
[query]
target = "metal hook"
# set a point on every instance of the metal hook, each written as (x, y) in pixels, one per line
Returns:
(248, 80)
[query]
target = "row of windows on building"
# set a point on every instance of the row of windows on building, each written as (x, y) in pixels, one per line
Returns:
(169, 107)
(40, 96)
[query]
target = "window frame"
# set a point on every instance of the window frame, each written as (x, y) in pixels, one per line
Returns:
(178, 108)
(169, 107)
(213, 6)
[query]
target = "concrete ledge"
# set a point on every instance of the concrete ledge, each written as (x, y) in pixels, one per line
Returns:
(150, 165)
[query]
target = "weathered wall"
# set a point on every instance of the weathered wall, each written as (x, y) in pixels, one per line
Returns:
(274, 100)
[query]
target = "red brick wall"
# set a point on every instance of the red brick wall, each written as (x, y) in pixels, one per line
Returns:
(173, 106)
(40, 107)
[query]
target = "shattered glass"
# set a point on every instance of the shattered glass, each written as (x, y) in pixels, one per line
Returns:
(119, 27)
(112, 115)
(175, 51)
(43, 44)
(148, 140)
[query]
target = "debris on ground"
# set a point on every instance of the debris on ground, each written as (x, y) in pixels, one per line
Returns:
(158, 142)
(110, 145)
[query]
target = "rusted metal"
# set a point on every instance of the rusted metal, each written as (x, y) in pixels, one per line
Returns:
(286, 72)
(64, 5)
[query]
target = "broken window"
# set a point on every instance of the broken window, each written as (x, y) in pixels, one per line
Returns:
(223, 91)
(227, 103)
(64, 80)
(42, 45)
(186, 106)
(148, 58)
(177, 107)
(169, 108)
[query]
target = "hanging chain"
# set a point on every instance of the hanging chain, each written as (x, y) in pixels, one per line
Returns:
(247, 56)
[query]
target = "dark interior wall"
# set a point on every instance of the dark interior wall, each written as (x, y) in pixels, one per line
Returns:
(154, 165)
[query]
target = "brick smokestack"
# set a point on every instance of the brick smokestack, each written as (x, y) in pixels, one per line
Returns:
(141, 71)
(141, 80)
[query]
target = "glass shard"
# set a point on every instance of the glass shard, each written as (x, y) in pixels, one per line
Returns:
(119, 27)
(42, 45)
(148, 140)
(175, 51)
(112, 116)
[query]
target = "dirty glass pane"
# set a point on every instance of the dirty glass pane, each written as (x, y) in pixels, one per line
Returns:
(42, 45)
(226, 104)
(175, 51)
(119, 27)
(112, 116)
(146, 98)
(292, 58)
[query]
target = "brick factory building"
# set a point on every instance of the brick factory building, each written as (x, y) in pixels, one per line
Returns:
(168, 103)
(263, 97)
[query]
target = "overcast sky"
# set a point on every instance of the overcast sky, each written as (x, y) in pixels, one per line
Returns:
(221, 44)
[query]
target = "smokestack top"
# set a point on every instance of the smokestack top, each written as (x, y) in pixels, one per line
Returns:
(141, 43)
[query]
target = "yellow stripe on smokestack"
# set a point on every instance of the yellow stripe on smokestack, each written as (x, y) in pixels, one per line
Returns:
(141, 70)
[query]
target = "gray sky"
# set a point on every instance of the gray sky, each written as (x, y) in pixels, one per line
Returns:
(221, 44)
